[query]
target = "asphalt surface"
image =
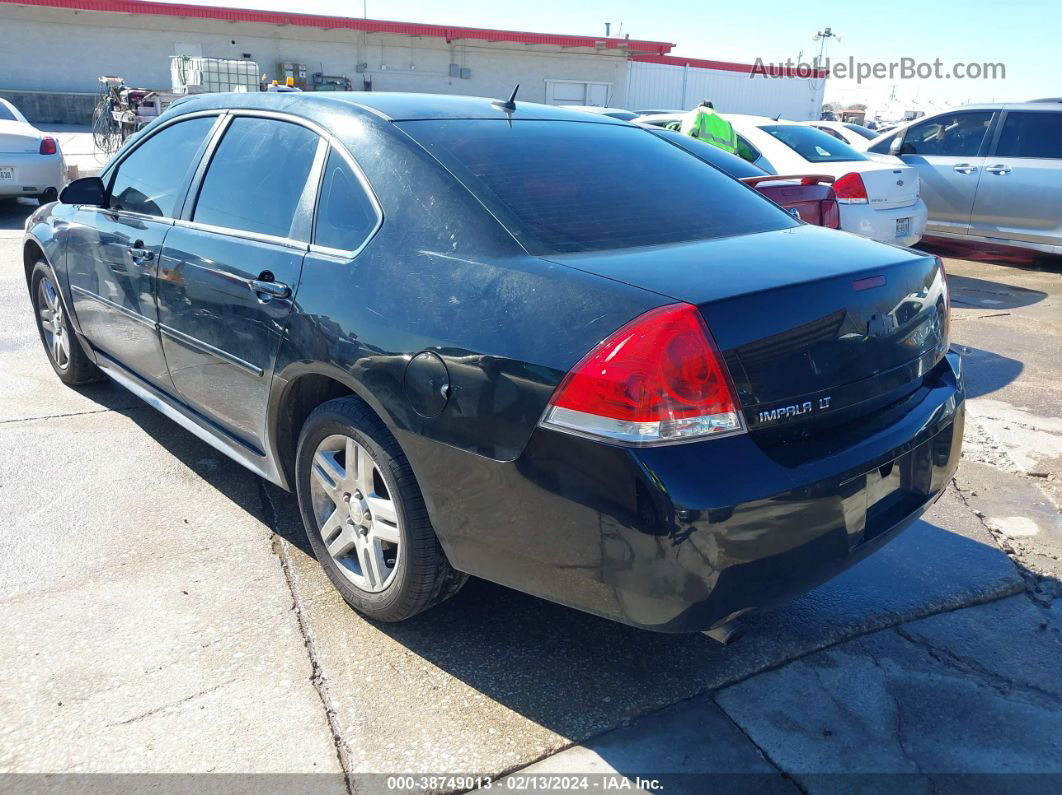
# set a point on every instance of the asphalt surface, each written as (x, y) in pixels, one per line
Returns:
(160, 612)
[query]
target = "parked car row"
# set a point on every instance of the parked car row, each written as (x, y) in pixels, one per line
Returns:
(559, 351)
(877, 201)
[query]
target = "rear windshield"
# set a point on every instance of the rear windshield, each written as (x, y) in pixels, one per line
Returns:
(813, 145)
(563, 187)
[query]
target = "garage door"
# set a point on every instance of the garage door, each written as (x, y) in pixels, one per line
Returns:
(577, 92)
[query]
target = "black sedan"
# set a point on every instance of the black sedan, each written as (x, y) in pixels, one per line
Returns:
(512, 341)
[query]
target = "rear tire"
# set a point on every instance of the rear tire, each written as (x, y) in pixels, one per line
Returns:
(62, 345)
(365, 516)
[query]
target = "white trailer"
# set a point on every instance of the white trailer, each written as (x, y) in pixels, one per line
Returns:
(667, 82)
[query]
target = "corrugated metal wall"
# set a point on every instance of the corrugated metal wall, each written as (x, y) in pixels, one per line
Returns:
(667, 87)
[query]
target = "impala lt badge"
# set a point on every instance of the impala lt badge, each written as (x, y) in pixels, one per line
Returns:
(785, 412)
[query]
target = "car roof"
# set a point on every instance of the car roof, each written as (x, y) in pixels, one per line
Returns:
(388, 106)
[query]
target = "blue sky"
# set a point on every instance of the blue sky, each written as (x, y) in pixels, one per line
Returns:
(1016, 33)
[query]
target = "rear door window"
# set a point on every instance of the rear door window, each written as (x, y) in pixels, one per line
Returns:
(562, 186)
(813, 145)
(1031, 134)
(151, 180)
(257, 176)
(346, 216)
(952, 135)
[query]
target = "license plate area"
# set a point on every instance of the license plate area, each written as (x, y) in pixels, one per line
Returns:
(7, 173)
(879, 498)
(903, 226)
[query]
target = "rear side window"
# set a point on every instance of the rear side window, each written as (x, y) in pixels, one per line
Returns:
(953, 135)
(345, 214)
(563, 187)
(5, 114)
(151, 180)
(1027, 134)
(813, 145)
(257, 176)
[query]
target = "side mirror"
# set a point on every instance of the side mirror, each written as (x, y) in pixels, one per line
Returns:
(896, 146)
(87, 190)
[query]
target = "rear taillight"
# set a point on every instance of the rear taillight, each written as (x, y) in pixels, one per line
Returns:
(48, 146)
(850, 189)
(658, 379)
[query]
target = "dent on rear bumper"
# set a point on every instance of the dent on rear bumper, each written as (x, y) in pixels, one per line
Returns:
(680, 538)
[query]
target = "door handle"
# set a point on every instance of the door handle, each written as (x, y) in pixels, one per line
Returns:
(999, 169)
(139, 254)
(266, 288)
(964, 168)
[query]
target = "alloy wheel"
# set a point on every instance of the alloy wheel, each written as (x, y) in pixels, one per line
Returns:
(53, 322)
(356, 515)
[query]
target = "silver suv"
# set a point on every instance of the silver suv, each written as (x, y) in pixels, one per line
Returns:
(988, 172)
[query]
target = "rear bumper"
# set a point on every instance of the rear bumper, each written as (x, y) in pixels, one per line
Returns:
(34, 174)
(680, 538)
(880, 225)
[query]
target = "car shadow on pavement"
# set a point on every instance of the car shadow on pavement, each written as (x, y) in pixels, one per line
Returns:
(985, 371)
(968, 292)
(14, 212)
(578, 675)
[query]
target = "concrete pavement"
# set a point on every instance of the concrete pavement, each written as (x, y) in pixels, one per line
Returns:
(160, 612)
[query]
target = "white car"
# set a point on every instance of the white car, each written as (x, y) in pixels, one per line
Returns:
(853, 134)
(31, 163)
(877, 200)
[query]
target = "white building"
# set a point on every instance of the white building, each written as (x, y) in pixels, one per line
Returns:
(53, 50)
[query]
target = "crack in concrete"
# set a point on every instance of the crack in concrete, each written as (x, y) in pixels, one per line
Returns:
(1032, 579)
(281, 549)
(69, 414)
(970, 667)
(172, 704)
(763, 752)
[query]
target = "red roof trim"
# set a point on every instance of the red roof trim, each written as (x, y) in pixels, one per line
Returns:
(725, 66)
(447, 32)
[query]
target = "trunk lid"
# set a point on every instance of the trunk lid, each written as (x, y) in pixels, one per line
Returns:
(810, 321)
(18, 138)
(887, 186)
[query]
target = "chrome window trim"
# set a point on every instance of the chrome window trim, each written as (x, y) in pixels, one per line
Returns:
(256, 237)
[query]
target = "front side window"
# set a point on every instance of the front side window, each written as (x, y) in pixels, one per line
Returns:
(257, 176)
(151, 180)
(813, 145)
(345, 213)
(1031, 134)
(563, 187)
(954, 135)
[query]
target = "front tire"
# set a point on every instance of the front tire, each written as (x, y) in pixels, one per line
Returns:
(365, 516)
(62, 345)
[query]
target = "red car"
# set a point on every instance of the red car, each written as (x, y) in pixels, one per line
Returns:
(808, 197)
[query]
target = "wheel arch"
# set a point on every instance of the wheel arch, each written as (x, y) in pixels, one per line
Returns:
(297, 392)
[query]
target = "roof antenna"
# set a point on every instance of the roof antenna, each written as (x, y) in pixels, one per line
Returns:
(510, 104)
